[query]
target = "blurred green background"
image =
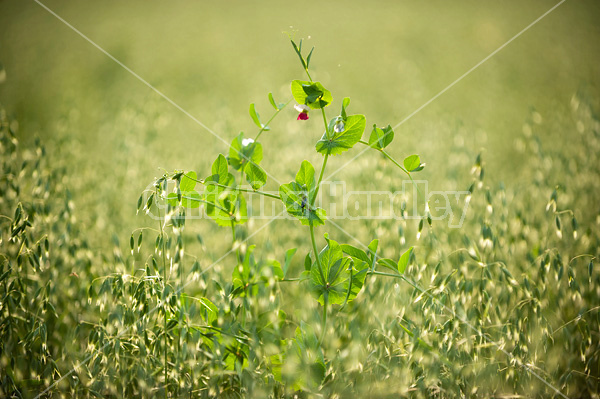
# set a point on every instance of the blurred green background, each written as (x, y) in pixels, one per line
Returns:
(529, 110)
(214, 59)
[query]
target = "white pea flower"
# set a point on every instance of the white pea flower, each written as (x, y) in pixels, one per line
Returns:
(339, 126)
(247, 142)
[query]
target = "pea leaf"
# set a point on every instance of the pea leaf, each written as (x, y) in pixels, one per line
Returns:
(289, 254)
(404, 260)
(298, 51)
(388, 263)
(225, 202)
(307, 262)
(220, 175)
(413, 163)
(190, 199)
(188, 182)
(256, 118)
(274, 270)
(306, 176)
(219, 166)
(308, 58)
(296, 200)
(355, 252)
(296, 197)
(208, 311)
(256, 176)
(226, 207)
(354, 126)
(345, 103)
(172, 199)
(336, 279)
(373, 246)
(240, 154)
(381, 138)
(274, 104)
(312, 94)
(372, 252)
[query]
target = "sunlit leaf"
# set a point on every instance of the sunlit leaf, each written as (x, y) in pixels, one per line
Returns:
(188, 181)
(404, 260)
(243, 151)
(296, 197)
(312, 94)
(255, 176)
(289, 254)
(335, 279)
(354, 126)
(381, 138)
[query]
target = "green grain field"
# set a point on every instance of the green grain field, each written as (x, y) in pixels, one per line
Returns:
(431, 230)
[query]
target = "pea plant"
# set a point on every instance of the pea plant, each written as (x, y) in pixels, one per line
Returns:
(509, 304)
(335, 274)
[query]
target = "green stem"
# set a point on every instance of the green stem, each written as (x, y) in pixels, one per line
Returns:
(312, 202)
(164, 256)
(385, 274)
(316, 252)
(349, 286)
(233, 240)
(313, 199)
(270, 120)
(312, 231)
(308, 74)
(246, 190)
(388, 156)
(207, 202)
(324, 321)
(401, 277)
(181, 309)
(325, 122)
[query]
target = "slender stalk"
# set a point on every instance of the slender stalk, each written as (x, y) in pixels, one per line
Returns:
(308, 74)
(388, 156)
(270, 120)
(242, 169)
(312, 202)
(246, 190)
(313, 199)
(180, 292)
(401, 277)
(164, 256)
(233, 240)
(325, 122)
(316, 252)
(207, 202)
(324, 320)
(312, 230)
(349, 286)
(385, 274)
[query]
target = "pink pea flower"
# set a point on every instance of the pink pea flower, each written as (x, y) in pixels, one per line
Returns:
(302, 111)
